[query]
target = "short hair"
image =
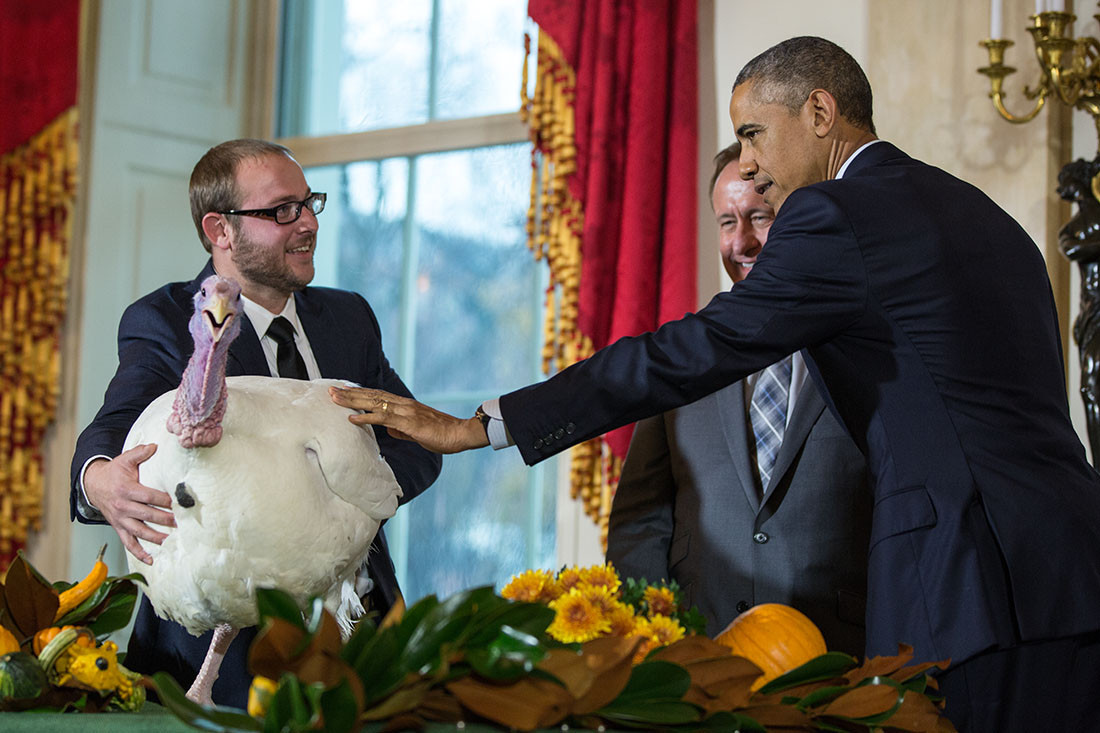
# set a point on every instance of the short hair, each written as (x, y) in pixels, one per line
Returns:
(213, 184)
(787, 72)
(729, 154)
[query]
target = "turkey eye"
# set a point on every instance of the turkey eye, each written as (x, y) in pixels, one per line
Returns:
(204, 292)
(102, 663)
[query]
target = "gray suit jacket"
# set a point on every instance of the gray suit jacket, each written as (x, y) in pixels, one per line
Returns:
(687, 509)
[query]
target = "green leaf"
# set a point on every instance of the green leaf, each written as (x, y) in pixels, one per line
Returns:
(112, 615)
(199, 716)
(338, 709)
(821, 695)
(379, 665)
(275, 603)
(645, 714)
(529, 618)
(827, 666)
(731, 722)
(652, 680)
(413, 617)
(290, 708)
(511, 655)
(364, 632)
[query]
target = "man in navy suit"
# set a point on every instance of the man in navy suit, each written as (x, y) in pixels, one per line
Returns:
(692, 506)
(257, 216)
(929, 323)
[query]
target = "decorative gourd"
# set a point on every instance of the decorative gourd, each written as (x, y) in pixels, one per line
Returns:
(42, 637)
(21, 677)
(8, 642)
(73, 597)
(775, 637)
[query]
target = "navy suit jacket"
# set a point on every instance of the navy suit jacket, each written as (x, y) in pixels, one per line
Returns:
(154, 346)
(688, 509)
(929, 322)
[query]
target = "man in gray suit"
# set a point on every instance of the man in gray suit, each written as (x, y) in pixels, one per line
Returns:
(691, 504)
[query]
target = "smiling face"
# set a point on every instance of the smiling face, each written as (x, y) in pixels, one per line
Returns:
(270, 260)
(744, 219)
(781, 149)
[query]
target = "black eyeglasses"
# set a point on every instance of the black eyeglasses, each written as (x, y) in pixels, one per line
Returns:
(287, 213)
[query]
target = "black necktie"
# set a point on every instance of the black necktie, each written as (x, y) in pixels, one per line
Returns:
(288, 360)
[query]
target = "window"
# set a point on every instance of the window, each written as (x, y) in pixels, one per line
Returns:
(405, 114)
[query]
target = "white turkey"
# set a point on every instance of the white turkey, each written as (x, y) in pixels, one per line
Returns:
(271, 487)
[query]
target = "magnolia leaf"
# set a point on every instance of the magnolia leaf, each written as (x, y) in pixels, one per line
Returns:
(611, 660)
(439, 705)
(290, 708)
(395, 614)
(777, 716)
(917, 671)
(881, 666)
(647, 713)
(198, 716)
(727, 721)
(379, 665)
(364, 632)
(274, 647)
(529, 618)
(278, 604)
(109, 609)
(413, 616)
(655, 679)
(404, 700)
(527, 704)
(510, 655)
(864, 702)
(918, 713)
(824, 667)
(31, 600)
(721, 684)
(692, 648)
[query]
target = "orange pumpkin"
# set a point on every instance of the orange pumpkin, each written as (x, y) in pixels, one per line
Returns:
(774, 637)
(8, 642)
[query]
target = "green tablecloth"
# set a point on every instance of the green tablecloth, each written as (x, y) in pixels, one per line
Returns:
(152, 719)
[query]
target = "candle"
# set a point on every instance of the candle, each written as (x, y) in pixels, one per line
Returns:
(1039, 6)
(1056, 5)
(996, 19)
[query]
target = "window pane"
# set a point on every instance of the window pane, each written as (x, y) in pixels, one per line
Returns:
(485, 519)
(477, 281)
(480, 57)
(370, 64)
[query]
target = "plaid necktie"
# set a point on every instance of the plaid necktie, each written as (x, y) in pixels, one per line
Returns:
(768, 414)
(288, 360)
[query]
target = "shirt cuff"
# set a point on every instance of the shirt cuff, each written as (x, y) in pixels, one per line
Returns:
(85, 507)
(499, 437)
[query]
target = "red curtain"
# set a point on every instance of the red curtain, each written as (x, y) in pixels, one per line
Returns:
(614, 122)
(39, 51)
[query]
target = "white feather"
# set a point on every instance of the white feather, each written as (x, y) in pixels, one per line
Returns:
(291, 497)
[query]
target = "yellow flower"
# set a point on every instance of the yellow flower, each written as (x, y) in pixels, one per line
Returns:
(568, 578)
(665, 630)
(529, 585)
(622, 619)
(661, 601)
(599, 596)
(604, 575)
(576, 619)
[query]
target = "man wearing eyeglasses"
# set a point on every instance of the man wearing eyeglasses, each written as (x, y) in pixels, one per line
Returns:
(257, 217)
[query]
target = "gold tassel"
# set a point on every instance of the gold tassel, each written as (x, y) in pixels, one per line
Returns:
(39, 180)
(555, 225)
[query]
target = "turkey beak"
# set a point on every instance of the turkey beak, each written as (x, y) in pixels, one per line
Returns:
(218, 315)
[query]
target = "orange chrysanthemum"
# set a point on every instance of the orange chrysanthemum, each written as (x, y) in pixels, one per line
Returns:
(568, 578)
(530, 585)
(622, 619)
(660, 601)
(604, 575)
(577, 619)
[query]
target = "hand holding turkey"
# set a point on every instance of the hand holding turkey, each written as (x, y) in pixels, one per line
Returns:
(112, 487)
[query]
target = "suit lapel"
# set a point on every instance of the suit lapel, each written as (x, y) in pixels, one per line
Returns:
(807, 409)
(734, 416)
(323, 331)
(246, 356)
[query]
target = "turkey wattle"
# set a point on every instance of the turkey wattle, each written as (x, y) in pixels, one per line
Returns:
(271, 487)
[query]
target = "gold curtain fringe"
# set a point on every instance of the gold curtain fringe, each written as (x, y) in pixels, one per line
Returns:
(37, 189)
(555, 225)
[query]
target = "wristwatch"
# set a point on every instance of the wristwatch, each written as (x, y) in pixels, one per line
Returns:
(484, 418)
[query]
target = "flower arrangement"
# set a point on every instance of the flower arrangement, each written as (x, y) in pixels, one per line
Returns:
(478, 657)
(593, 601)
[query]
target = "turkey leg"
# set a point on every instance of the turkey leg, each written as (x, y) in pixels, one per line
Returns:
(201, 688)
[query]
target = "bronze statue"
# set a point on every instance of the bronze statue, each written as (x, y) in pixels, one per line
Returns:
(1080, 242)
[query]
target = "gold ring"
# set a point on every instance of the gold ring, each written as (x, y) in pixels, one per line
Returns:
(385, 405)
